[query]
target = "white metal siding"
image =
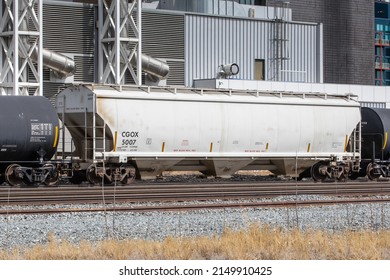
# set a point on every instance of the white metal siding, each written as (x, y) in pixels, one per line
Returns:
(213, 40)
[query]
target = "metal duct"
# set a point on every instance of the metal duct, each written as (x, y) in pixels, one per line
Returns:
(61, 64)
(155, 67)
(228, 70)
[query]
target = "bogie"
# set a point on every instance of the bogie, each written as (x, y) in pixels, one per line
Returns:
(124, 174)
(322, 171)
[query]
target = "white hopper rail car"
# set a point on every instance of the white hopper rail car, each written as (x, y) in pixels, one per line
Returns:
(123, 132)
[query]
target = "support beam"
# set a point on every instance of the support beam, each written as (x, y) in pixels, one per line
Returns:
(20, 33)
(119, 41)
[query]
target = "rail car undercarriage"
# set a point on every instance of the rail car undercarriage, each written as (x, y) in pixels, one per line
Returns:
(125, 174)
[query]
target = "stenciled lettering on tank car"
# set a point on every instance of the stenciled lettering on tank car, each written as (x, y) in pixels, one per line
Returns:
(130, 134)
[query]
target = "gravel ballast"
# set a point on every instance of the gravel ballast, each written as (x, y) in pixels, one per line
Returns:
(29, 230)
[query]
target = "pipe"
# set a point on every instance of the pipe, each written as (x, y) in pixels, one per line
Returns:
(61, 64)
(155, 67)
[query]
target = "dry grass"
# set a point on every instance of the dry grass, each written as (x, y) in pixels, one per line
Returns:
(254, 243)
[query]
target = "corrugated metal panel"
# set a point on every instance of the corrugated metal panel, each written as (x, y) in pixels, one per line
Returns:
(212, 41)
(301, 65)
(163, 35)
(163, 38)
(176, 72)
(85, 69)
(68, 29)
(46, 74)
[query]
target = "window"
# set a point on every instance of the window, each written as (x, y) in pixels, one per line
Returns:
(381, 10)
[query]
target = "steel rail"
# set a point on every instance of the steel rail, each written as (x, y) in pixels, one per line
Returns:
(182, 192)
(194, 207)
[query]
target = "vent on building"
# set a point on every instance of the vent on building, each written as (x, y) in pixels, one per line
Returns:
(176, 73)
(69, 29)
(163, 35)
(84, 69)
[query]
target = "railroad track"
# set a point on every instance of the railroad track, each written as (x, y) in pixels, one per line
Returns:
(184, 192)
(191, 207)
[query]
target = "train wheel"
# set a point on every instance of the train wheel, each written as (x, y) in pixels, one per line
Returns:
(371, 174)
(92, 176)
(51, 173)
(12, 177)
(128, 174)
(318, 172)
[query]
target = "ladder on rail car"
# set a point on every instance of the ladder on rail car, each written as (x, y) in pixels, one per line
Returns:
(357, 143)
(98, 141)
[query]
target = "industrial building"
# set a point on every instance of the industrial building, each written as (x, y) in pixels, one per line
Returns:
(347, 37)
(276, 45)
